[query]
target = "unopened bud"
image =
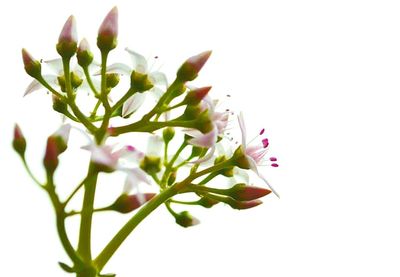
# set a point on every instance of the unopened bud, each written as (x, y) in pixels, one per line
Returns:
(168, 134)
(76, 81)
(112, 80)
(59, 105)
(50, 160)
(242, 192)
(61, 137)
(151, 164)
(195, 96)
(207, 202)
(243, 205)
(19, 142)
(185, 219)
(83, 54)
(32, 66)
(68, 39)
(127, 203)
(140, 82)
(192, 66)
(108, 31)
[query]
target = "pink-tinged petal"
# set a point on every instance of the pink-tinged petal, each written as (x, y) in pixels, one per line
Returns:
(158, 78)
(130, 154)
(155, 146)
(63, 132)
(133, 103)
(139, 62)
(134, 177)
(83, 45)
(207, 140)
(242, 129)
(265, 142)
(33, 86)
(198, 61)
(68, 33)
(108, 31)
(207, 157)
(102, 155)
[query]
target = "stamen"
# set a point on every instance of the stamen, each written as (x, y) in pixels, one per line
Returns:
(262, 131)
(274, 165)
(273, 159)
(265, 143)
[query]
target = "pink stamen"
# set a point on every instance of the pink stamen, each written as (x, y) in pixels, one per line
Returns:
(273, 159)
(262, 131)
(265, 143)
(130, 148)
(274, 165)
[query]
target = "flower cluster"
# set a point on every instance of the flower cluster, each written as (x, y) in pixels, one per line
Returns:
(189, 152)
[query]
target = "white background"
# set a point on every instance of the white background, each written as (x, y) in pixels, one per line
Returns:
(321, 76)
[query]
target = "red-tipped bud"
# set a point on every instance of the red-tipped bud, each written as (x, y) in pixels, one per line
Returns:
(242, 192)
(61, 137)
(195, 96)
(50, 160)
(185, 219)
(68, 39)
(19, 142)
(83, 54)
(243, 205)
(127, 203)
(108, 31)
(32, 66)
(192, 66)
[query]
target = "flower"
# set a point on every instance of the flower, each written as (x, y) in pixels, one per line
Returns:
(140, 65)
(255, 154)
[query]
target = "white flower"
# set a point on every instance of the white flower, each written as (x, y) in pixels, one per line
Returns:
(139, 64)
(255, 153)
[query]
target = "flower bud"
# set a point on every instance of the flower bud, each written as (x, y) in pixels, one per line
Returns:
(61, 137)
(32, 66)
(192, 66)
(151, 165)
(108, 31)
(112, 80)
(76, 81)
(243, 205)
(140, 82)
(127, 203)
(68, 39)
(83, 54)
(242, 192)
(59, 105)
(207, 202)
(19, 142)
(185, 219)
(192, 112)
(50, 160)
(168, 134)
(195, 96)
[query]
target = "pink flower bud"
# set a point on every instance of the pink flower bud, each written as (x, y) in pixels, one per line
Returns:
(192, 66)
(50, 160)
(243, 205)
(108, 31)
(32, 66)
(68, 39)
(19, 142)
(194, 97)
(127, 203)
(242, 192)
(84, 55)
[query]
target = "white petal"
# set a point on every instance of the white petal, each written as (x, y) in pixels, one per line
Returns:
(158, 78)
(268, 184)
(155, 146)
(242, 129)
(132, 104)
(134, 177)
(55, 65)
(156, 93)
(33, 86)
(139, 62)
(118, 68)
(130, 154)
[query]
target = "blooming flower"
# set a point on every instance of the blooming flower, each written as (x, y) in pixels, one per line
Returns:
(255, 154)
(140, 65)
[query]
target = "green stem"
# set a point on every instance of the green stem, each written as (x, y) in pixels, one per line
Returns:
(209, 178)
(74, 192)
(84, 243)
(71, 99)
(170, 164)
(146, 126)
(123, 99)
(119, 238)
(30, 173)
(50, 88)
(96, 107)
(89, 80)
